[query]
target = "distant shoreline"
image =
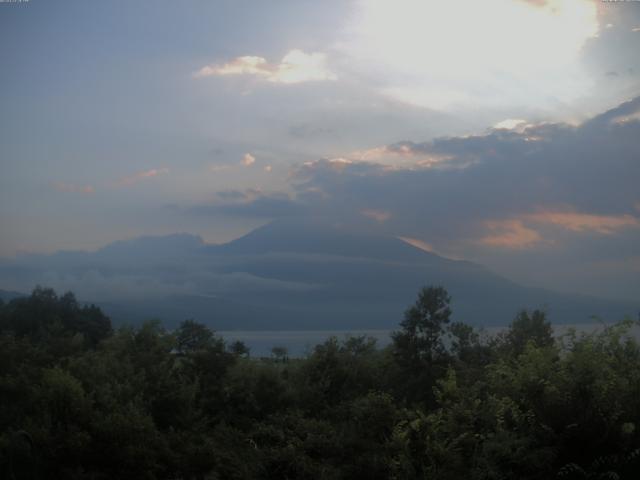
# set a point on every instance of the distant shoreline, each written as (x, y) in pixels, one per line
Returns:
(301, 342)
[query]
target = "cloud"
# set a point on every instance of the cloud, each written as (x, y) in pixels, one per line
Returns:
(137, 177)
(248, 160)
(399, 155)
(186, 273)
(538, 201)
(247, 65)
(510, 124)
(581, 222)
(71, 188)
(377, 215)
(237, 195)
(627, 111)
(251, 203)
(543, 187)
(509, 234)
(552, 5)
(536, 3)
(419, 52)
(123, 182)
(525, 232)
(514, 188)
(306, 130)
(295, 67)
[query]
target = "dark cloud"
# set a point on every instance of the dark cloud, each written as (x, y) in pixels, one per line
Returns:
(619, 113)
(251, 204)
(566, 197)
(567, 192)
(590, 170)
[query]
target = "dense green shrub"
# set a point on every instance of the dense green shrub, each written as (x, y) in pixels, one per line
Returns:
(81, 401)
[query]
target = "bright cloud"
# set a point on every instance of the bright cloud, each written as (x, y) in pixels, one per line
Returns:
(402, 154)
(334, 164)
(510, 234)
(510, 124)
(581, 222)
(248, 160)
(295, 67)
(247, 65)
(447, 54)
(518, 233)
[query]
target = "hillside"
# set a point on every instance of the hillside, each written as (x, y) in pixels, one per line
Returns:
(287, 275)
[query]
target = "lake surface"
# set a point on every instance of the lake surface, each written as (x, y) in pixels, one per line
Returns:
(299, 343)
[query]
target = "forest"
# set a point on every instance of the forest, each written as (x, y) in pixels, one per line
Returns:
(81, 399)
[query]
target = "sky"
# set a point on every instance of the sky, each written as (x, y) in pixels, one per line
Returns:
(506, 132)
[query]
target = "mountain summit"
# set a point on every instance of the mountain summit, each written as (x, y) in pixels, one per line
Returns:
(324, 238)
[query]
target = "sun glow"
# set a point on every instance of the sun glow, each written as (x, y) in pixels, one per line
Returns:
(441, 54)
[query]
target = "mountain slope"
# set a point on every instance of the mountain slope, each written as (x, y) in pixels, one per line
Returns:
(7, 296)
(288, 275)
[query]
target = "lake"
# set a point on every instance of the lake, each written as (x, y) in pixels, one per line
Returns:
(297, 342)
(301, 342)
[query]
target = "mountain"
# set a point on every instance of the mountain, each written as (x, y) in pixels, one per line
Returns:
(323, 238)
(7, 296)
(288, 275)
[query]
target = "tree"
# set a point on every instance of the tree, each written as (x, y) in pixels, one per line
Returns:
(280, 353)
(43, 315)
(470, 351)
(418, 348)
(525, 328)
(192, 336)
(420, 340)
(239, 349)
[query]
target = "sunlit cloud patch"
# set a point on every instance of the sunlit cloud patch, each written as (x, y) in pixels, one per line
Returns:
(444, 55)
(295, 67)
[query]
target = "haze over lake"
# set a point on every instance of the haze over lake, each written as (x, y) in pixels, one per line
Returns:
(300, 343)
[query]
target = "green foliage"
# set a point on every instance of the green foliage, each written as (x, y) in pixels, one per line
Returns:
(279, 353)
(338, 371)
(239, 349)
(44, 316)
(81, 401)
(418, 349)
(420, 340)
(528, 328)
(192, 337)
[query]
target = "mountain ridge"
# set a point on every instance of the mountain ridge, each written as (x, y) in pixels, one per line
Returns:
(288, 275)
